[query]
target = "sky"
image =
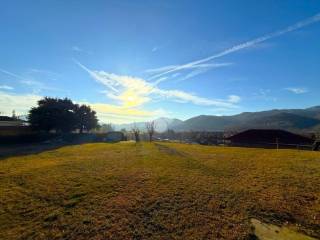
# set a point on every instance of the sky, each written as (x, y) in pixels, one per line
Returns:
(134, 61)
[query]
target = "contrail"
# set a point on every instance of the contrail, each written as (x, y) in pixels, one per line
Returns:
(12, 74)
(296, 26)
(205, 65)
(200, 68)
(95, 76)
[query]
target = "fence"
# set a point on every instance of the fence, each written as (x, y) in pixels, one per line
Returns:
(276, 145)
(15, 130)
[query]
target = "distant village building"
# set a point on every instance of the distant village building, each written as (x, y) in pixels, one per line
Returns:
(12, 126)
(261, 137)
(115, 136)
(10, 122)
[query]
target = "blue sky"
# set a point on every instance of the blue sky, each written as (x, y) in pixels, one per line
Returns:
(139, 60)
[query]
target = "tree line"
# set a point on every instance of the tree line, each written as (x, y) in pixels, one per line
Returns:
(62, 115)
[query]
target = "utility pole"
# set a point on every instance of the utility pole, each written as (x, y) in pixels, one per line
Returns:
(14, 116)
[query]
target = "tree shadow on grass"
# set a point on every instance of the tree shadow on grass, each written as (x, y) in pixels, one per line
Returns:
(14, 150)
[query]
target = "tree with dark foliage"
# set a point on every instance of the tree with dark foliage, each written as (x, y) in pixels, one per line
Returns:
(61, 115)
(53, 114)
(85, 118)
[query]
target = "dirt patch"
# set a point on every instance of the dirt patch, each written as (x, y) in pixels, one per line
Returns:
(265, 231)
(169, 150)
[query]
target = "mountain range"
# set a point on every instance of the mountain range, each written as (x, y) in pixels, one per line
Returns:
(288, 119)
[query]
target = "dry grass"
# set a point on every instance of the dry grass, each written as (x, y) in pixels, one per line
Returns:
(157, 191)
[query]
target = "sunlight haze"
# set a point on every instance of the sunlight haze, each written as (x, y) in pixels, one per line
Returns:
(139, 61)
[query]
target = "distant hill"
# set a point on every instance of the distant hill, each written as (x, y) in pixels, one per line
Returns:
(281, 120)
(206, 123)
(288, 119)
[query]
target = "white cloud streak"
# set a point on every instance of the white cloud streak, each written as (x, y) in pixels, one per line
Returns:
(20, 103)
(198, 69)
(297, 90)
(80, 50)
(234, 99)
(12, 74)
(43, 73)
(97, 77)
(170, 67)
(36, 86)
(192, 74)
(135, 90)
(6, 87)
(296, 26)
(132, 93)
(184, 97)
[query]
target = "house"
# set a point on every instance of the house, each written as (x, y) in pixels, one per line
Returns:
(115, 136)
(10, 122)
(10, 126)
(268, 137)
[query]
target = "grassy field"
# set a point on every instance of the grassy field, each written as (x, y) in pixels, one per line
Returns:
(157, 191)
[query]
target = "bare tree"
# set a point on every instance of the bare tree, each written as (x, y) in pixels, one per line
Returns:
(136, 132)
(317, 135)
(150, 126)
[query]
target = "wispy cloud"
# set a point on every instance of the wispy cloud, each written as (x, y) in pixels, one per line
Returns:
(159, 80)
(184, 97)
(132, 93)
(6, 87)
(76, 48)
(158, 47)
(264, 94)
(234, 99)
(12, 74)
(43, 73)
(172, 67)
(297, 90)
(201, 70)
(192, 74)
(36, 86)
(80, 50)
(21, 103)
(296, 26)
(196, 70)
(23, 80)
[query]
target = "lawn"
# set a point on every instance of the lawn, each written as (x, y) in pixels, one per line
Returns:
(157, 191)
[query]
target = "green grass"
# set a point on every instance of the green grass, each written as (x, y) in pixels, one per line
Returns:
(157, 191)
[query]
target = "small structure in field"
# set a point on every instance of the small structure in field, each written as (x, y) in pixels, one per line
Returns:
(269, 137)
(114, 136)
